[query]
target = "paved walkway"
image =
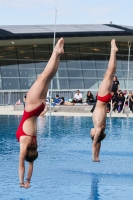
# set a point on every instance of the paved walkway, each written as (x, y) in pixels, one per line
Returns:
(9, 110)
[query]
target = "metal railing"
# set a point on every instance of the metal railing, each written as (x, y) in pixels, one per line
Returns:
(11, 97)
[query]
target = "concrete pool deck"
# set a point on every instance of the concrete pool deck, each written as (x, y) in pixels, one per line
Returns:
(9, 110)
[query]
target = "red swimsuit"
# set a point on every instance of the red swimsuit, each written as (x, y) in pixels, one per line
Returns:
(105, 99)
(36, 112)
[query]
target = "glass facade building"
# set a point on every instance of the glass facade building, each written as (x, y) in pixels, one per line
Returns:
(82, 66)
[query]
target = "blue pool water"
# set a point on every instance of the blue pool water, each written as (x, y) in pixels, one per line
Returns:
(64, 169)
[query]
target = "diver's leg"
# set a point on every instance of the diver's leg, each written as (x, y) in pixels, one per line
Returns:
(106, 85)
(39, 89)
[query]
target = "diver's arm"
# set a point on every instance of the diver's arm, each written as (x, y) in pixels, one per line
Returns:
(23, 151)
(94, 144)
(29, 175)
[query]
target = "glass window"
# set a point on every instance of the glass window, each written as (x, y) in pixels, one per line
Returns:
(101, 65)
(56, 84)
(9, 62)
(122, 84)
(131, 58)
(39, 71)
(62, 58)
(9, 72)
(123, 51)
(130, 75)
(72, 56)
(119, 73)
(100, 45)
(86, 48)
(91, 84)
(8, 52)
(123, 45)
(74, 64)
(25, 55)
(27, 72)
(26, 83)
(64, 84)
(88, 64)
(124, 57)
(10, 83)
(0, 83)
(99, 82)
(26, 64)
(125, 65)
(71, 48)
(89, 73)
(76, 83)
(130, 84)
(100, 57)
(8, 59)
(63, 72)
(62, 65)
(41, 65)
(74, 73)
(99, 51)
(42, 56)
(41, 48)
(24, 47)
(100, 73)
(86, 56)
(119, 65)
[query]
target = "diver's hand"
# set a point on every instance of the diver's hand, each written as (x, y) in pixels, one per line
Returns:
(22, 185)
(27, 184)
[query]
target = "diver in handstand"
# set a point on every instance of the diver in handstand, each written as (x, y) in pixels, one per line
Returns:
(103, 97)
(35, 102)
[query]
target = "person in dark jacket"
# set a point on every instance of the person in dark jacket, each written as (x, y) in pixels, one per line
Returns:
(90, 98)
(120, 102)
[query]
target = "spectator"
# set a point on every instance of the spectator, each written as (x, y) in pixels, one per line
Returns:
(115, 85)
(18, 102)
(24, 99)
(56, 100)
(114, 101)
(120, 102)
(93, 108)
(77, 97)
(62, 101)
(130, 97)
(90, 98)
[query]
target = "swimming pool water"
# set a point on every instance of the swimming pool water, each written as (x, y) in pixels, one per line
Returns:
(64, 169)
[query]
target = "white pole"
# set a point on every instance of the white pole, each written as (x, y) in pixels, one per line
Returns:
(53, 48)
(129, 46)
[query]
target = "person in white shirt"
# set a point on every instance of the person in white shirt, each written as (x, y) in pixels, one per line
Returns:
(77, 97)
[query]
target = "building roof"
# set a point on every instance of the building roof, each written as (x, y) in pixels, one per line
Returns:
(18, 32)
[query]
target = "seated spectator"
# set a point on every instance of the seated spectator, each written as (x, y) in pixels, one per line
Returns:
(130, 100)
(62, 101)
(56, 100)
(120, 102)
(77, 97)
(90, 98)
(114, 101)
(18, 102)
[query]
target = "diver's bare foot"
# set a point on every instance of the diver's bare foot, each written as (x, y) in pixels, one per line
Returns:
(113, 46)
(59, 47)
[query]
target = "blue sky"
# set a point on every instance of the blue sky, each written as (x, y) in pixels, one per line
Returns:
(29, 12)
